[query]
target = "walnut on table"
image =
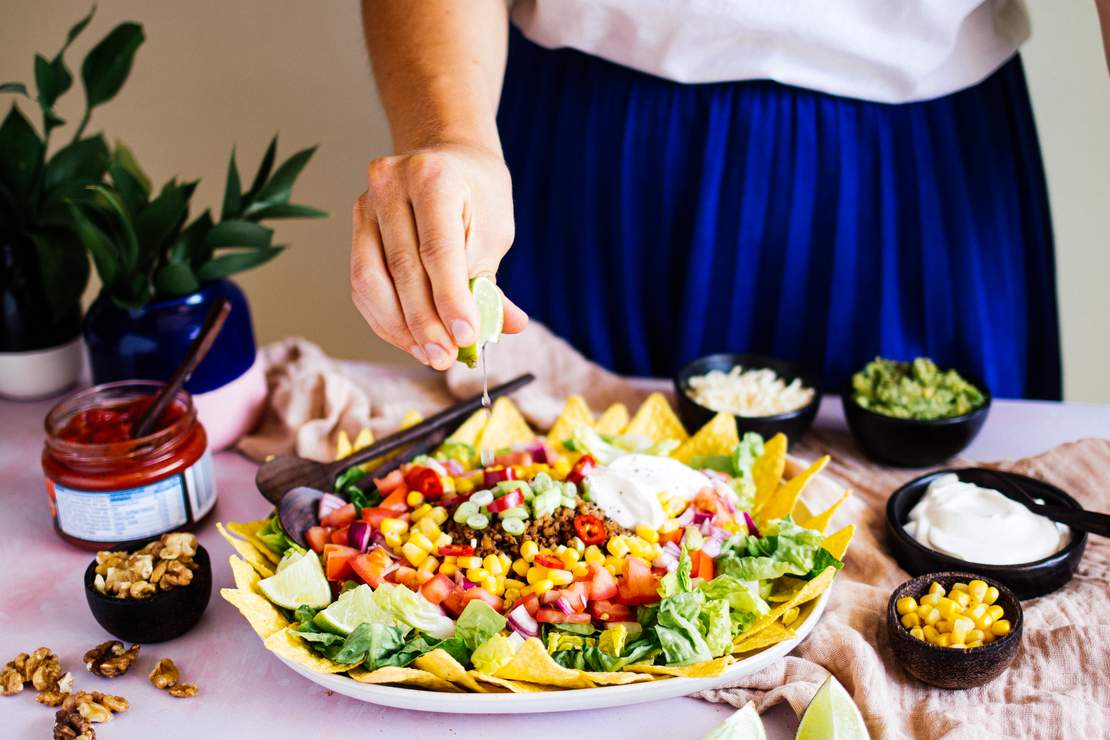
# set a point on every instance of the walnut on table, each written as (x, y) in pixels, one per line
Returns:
(183, 690)
(53, 697)
(166, 676)
(79, 710)
(41, 669)
(110, 659)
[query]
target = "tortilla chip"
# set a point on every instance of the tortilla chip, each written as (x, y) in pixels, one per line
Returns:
(618, 678)
(717, 437)
(505, 427)
(343, 445)
(364, 439)
(613, 420)
(821, 521)
(772, 634)
(246, 577)
(801, 511)
(248, 551)
(811, 590)
(575, 414)
(837, 542)
(656, 420)
(263, 617)
(471, 429)
(404, 676)
(767, 470)
(517, 687)
(286, 644)
(249, 532)
(785, 588)
(440, 663)
(533, 664)
(705, 669)
(784, 498)
(411, 418)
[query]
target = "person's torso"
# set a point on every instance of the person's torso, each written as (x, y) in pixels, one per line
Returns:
(882, 50)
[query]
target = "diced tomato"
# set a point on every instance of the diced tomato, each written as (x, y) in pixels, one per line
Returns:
(372, 566)
(510, 500)
(707, 500)
(455, 550)
(317, 537)
(550, 561)
(404, 576)
(575, 594)
(590, 529)
(582, 466)
(531, 603)
(637, 585)
(675, 536)
(425, 480)
(602, 583)
(480, 593)
(341, 517)
(548, 598)
(374, 515)
(337, 561)
(514, 458)
(701, 566)
(339, 536)
(496, 474)
(422, 577)
(386, 485)
(454, 602)
(437, 589)
(554, 616)
(396, 501)
(609, 611)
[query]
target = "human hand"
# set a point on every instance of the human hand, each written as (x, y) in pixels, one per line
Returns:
(429, 221)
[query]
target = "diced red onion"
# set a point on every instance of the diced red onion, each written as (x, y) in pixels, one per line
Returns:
(666, 561)
(685, 517)
(329, 502)
(701, 517)
(359, 535)
(454, 467)
(468, 584)
(516, 640)
(711, 547)
(540, 453)
(752, 529)
(672, 549)
(523, 622)
(563, 605)
(719, 534)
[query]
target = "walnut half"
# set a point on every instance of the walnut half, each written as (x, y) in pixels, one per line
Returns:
(110, 659)
(41, 669)
(183, 690)
(165, 674)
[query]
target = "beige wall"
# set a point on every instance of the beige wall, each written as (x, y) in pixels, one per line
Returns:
(214, 73)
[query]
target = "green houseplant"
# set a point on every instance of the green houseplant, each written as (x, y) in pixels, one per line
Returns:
(43, 266)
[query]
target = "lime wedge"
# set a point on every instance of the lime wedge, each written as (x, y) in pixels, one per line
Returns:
(351, 609)
(491, 317)
(832, 715)
(301, 581)
(745, 724)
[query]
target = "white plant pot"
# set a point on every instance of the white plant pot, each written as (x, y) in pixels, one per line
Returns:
(26, 376)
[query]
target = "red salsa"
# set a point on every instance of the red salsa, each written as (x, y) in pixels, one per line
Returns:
(109, 424)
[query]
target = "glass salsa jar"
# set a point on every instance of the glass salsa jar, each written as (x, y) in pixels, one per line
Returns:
(107, 490)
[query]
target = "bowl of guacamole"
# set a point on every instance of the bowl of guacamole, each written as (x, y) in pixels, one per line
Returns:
(914, 413)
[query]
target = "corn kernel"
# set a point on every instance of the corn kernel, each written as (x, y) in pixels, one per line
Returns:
(909, 620)
(984, 623)
(1000, 628)
(520, 567)
(414, 554)
(918, 633)
(617, 546)
(394, 540)
(613, 569)
(464, 485)
(538, 468)
(529, 550)
(594, 556)
(421, 541)
(977, 589)
(441, 540)
(962, 598)
(974, 644)
(414, 499)
(930, 632)
(438, 515)
(930, 599)
(905, 605)
(988, 637)
(647, 533)
(535, 575)
(491, 584)
(958, 587)
(977, 612)
(580, 570)
(494, 565)
(996, 612)
(991, 596)
(429, 565)
(936, 588)
(957, 645)
(561, 467)
(960, 627)
(636, 546)
(542, 586)
(941, 641)
(560, 577)
(514, 583)
(428, 526)
(975, 636)
(477, 574)
(932, 618)
(448, 569)
(421, 511)
(569, 557)
(469, 561)
(944, 626)
(949, 609)
(390, 525)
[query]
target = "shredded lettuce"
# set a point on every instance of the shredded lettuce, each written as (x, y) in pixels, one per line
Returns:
(477, 623)
(273, 536)
(741, 596)
(785, 549)
(414, 610)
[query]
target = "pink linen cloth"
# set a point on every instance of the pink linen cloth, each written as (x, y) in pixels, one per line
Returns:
(1057, 687)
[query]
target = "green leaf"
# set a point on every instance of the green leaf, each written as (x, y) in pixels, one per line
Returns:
(130, 249)
(286, 210)
(156, 223)
(52, 79)
(191, 245)
(233, 195)
(64, 267)
(77, 29)
(22, 152)
(86, 159)
(105, 253)
(107, 66)
(264, 168)
(175, 279)
(229, 264)
(239, 234)
(124, 158)
(129, 189)
(279, 187)
(13, 87)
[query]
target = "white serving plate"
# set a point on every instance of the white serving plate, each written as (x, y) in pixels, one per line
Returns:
(558, 701)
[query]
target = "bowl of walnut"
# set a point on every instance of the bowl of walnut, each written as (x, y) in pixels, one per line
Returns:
(151, 593)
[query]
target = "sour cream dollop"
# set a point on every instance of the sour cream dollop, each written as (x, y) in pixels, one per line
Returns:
(628, 489)
(980, 525)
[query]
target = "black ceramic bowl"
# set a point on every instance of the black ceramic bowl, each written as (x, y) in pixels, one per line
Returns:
(792, 423)
(1027, 580)
(164, 616)
(913, 443)
(953, 668)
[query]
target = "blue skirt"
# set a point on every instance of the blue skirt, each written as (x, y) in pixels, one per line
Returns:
(657, 222)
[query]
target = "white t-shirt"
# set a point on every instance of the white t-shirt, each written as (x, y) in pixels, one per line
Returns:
(883, 50)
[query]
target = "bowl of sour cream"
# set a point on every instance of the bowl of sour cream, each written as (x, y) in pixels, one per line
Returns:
(956, 519)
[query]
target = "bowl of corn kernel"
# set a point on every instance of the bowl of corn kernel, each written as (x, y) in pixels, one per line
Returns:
(954, 630)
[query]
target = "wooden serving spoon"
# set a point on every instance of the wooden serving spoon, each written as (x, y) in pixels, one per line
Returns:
(209, 330)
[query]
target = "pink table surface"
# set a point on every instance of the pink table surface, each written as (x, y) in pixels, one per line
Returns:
(245, 691)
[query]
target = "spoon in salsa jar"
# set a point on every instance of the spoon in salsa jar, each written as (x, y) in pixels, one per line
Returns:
(197, 351)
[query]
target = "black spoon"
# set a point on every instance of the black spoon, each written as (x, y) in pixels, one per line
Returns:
(1081, 519)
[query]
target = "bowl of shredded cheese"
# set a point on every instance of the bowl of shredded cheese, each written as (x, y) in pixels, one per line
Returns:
(764, 394)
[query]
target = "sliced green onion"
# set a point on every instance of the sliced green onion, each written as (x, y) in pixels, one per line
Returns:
(477, 521)
(481, 498)
(513, 526)
(466, 510)
(517, 512)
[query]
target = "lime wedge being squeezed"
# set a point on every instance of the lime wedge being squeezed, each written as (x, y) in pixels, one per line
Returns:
(832, 715)
(491, 317)
(300, 581)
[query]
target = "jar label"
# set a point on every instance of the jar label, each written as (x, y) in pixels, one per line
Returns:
(135, 513)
